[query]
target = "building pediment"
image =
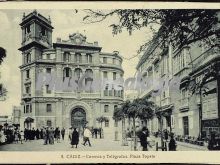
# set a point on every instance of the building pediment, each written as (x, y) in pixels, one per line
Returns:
(77, 39)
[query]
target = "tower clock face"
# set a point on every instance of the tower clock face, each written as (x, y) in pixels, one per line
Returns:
(78, 40)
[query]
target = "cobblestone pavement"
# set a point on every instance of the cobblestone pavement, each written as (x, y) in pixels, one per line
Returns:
(37, 145)
(97, 145)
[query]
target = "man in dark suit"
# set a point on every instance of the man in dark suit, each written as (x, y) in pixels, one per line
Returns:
(143, 138)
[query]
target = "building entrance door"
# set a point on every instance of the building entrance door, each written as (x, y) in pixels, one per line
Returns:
(185, 125)
(78, 119)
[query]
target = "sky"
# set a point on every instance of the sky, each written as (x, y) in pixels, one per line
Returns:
(65, 22)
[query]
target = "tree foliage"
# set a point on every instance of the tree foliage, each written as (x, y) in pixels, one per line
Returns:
(2, 54)
(141, 108)
(178, 26)
(138, 108)
(121, 112)
(102, 119)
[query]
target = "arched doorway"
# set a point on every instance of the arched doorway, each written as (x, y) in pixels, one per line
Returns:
(78, 119)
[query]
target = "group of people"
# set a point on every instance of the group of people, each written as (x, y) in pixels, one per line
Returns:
(74, 137)
(50, 134)
(15, 135)
(97, 132)
(10, 135)
(145, 142)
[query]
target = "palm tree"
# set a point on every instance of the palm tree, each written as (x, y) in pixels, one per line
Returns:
(140, 108)
(102, 119)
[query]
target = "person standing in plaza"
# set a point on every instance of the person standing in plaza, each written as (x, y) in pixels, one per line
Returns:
(87, 135)
(143, 139)
(212, 141)
(2, 136)
(172, 143)
(45, 135)
(37, 134)
(63, 133)
(25, 134)
(51, 136)
(33, 133)
(166, 135)
(21, 136)
(75, 138)
(95, 132)
(41, 133)
(16, 136)
(57, 134)
(70, 133)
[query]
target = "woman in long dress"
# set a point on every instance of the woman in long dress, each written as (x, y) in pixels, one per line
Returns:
(75, 138)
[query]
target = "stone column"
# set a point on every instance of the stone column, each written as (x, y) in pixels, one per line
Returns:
(170, 60)
(59, 114)
(97, 79)
(96, 113)
(58, 55)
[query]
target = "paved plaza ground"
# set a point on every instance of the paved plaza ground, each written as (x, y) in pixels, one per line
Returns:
(97, 145)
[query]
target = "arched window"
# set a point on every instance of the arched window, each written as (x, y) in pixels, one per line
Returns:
(106, 90)
(67, 72)
(78, 73)
(89, 73)
(66, 56)
(88, 80)
(28, 58)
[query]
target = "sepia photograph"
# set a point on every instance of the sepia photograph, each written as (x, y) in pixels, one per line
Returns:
(99, 79)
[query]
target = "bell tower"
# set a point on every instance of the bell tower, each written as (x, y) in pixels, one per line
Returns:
(36, 31)
(36, 38)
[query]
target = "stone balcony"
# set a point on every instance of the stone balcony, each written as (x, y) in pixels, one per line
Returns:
(113, 97)
(146, 91)
(184, 104)
(47, 60)
(78, 95)
(111, 65)
(26, 96)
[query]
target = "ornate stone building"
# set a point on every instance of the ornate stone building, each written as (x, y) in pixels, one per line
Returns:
(185, 84)
(70, 60)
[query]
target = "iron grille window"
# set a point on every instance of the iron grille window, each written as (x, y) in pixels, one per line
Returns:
(48, 91)
(49, 108)
(49, 123)
(48, 70)
(105, 60)
(27, 73)
(106, 108)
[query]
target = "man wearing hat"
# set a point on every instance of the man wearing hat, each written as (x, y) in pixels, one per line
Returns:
(143, 138)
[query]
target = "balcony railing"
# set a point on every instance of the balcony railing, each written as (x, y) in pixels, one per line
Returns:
(46, 60)
(77, 95)
(26, 95)
(205, 57)
(111, 65)
(147, 90)
(90, 95)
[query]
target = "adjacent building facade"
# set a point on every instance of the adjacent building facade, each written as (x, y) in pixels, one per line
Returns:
(184, 83)
(3, 91)
(16, 115)
(79, 93)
